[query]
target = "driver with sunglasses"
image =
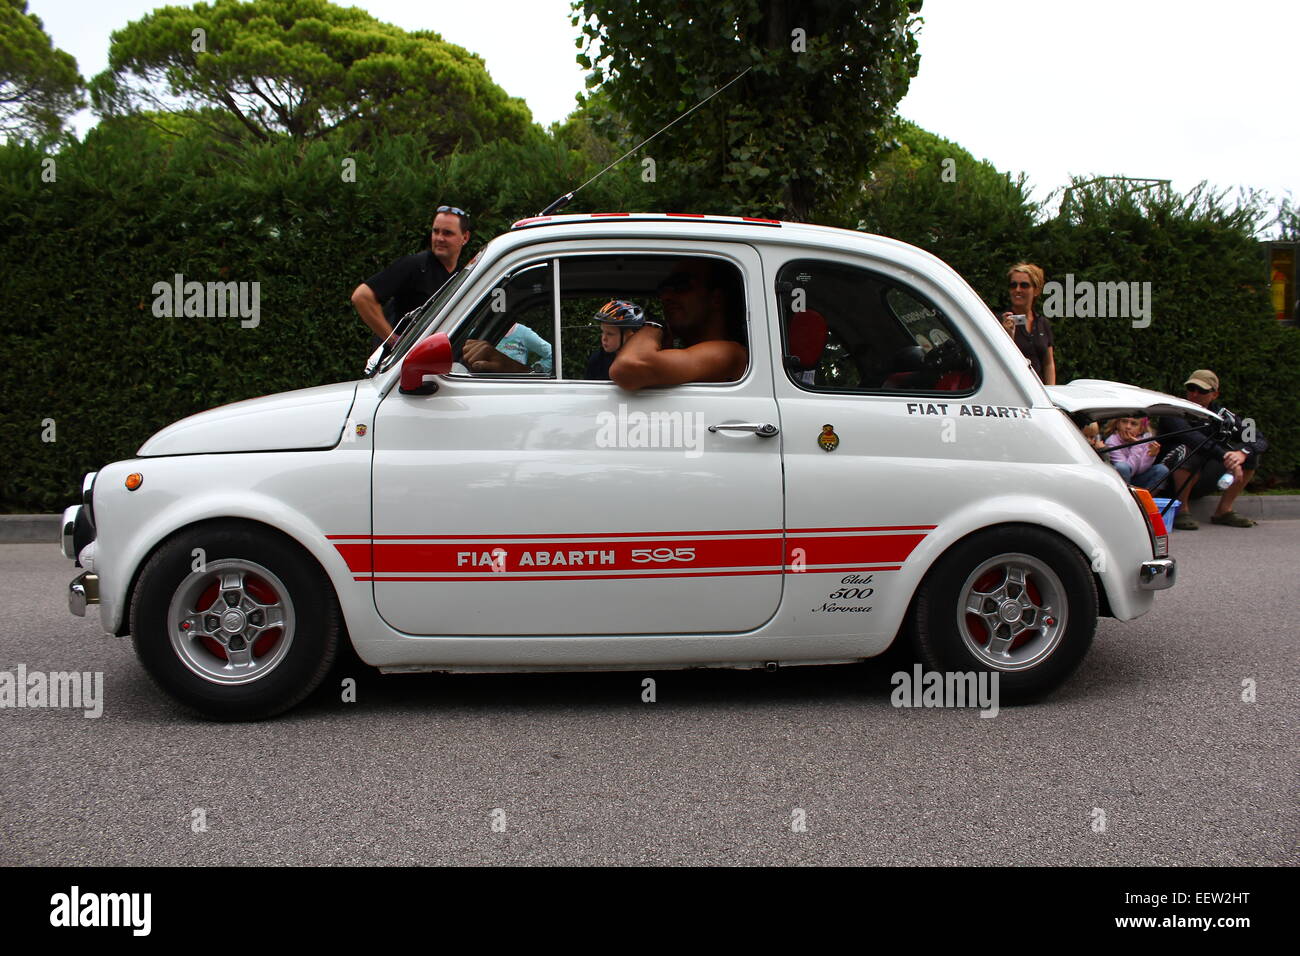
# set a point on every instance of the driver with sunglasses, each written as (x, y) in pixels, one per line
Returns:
(696, 299)
(409, 281)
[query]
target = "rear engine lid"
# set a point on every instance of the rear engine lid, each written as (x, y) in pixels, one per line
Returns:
(1089, 399)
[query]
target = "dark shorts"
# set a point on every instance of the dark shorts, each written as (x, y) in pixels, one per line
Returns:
(1210, 469)
(1207, 463)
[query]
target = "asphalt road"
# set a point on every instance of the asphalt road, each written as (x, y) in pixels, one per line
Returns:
(1151, 738)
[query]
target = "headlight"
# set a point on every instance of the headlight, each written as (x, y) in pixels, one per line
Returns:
(88, 495)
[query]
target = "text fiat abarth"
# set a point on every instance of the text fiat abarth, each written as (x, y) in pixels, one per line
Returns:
(885, 465)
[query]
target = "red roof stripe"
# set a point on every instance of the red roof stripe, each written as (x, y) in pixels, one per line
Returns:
(643, 217)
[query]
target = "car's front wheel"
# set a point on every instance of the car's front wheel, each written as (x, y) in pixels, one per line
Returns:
(234, 621)
(1016, 600)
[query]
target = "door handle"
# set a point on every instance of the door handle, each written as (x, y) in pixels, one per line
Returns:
(761, 429)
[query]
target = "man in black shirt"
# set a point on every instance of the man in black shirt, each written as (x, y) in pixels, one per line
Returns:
(406, 284)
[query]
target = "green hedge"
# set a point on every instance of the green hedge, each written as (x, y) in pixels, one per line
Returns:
(129, 208)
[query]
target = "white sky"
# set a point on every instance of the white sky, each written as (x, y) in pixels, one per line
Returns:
(1171, 89)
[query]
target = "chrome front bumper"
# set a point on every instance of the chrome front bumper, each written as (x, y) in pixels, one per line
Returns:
(83, 590)
(69, 529)
(1157, 574)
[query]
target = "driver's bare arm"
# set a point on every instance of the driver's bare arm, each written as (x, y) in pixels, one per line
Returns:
(371, 312)
(641, 363)
(480, 356)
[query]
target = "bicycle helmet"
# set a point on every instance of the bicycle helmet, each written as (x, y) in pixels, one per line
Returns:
(621, 314)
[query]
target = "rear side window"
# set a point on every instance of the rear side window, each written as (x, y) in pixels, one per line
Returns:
(845, 328)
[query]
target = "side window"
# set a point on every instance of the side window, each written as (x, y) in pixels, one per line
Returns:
(687, 292)
(845, 328)
(511, 330)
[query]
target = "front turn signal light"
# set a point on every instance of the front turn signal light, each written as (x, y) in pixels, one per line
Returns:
(134, 481)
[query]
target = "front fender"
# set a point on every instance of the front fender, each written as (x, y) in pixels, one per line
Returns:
(178, 493)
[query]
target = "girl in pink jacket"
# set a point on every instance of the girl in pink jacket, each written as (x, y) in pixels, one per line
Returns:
(1136, 465)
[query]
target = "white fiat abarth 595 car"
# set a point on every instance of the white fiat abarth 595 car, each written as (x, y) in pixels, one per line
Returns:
(886, 465)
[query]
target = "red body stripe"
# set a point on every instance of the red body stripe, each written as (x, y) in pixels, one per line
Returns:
(610, 556)
(863, 549)
(897, 527)
(487, 538)
(604, 555)
(507, 576)
(490, 538)
(615, 577)
(357, 556)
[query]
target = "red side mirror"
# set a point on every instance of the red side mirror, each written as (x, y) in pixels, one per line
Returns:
(431, 356)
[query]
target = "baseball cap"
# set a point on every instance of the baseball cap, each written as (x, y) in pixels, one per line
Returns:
(1205, 379)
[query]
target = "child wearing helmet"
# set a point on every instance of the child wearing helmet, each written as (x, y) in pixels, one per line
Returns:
(618, 319)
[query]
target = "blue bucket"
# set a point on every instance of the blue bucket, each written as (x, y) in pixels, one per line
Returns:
(1170, 514)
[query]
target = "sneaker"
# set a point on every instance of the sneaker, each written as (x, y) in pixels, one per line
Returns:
(1233, 520)
(1185, 522)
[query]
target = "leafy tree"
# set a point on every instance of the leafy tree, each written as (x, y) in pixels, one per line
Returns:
(931, 192)
(306, 68)
(1286, 220)
(39, 85)
(796, 133)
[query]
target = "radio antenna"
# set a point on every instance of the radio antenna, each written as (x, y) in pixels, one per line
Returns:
(567, 197)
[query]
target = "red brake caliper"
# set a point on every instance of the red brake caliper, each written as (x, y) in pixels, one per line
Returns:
(975, 623)
(202, 605)
(1032, 590)
(263, 593)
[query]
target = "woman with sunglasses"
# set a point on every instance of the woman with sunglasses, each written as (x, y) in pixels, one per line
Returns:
(1031, 332)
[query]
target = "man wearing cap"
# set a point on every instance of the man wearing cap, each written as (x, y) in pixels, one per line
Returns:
(1211, 460)
(698, 300)
(409, 281)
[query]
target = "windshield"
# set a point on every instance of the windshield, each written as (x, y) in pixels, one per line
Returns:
(411, 325)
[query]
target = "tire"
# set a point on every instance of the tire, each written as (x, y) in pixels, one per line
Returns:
(1016, 600)
(243, 631)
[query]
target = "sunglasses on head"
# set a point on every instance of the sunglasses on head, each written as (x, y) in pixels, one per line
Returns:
(454, 210)
(1022, 285)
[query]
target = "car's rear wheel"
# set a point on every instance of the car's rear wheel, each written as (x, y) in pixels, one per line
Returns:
(1016, 600)
(234, 621)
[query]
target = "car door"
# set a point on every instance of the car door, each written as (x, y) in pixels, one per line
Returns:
(531, 503)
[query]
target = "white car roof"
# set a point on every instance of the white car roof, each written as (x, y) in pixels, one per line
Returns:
(706, 226)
